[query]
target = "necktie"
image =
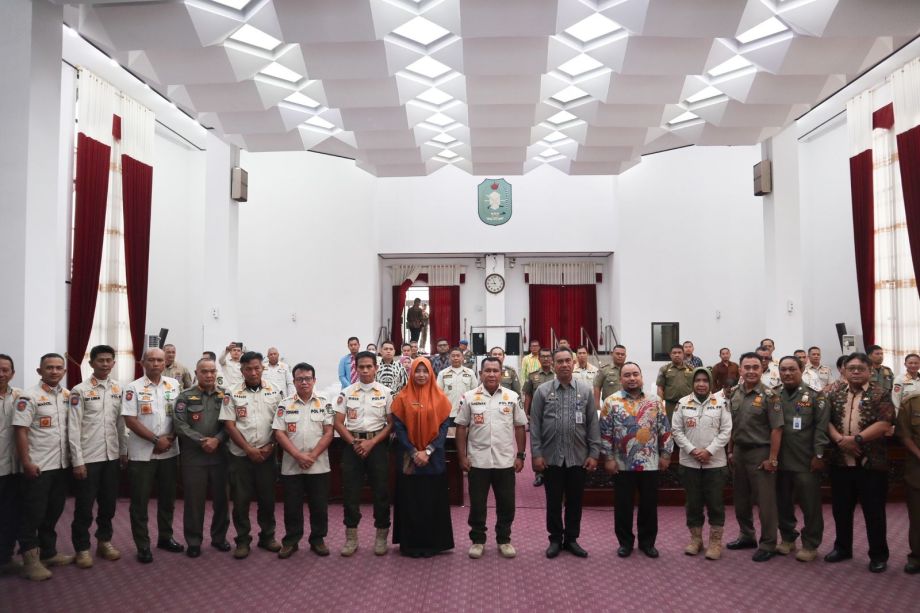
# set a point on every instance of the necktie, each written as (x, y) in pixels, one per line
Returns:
(354, 371)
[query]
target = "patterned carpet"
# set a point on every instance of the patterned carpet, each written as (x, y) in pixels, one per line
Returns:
(453, 582)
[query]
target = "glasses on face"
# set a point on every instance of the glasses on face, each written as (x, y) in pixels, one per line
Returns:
(856, 368)
(303, 379)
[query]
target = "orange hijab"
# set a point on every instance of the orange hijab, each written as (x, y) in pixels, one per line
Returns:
(422, 409)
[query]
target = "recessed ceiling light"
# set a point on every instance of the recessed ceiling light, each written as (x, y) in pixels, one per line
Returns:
(255, 37)
(440, 120)
(281, 72)
(434, 96)
(593, 27)
(736, 63)
(448, 154)
(579, 65)
(444, 138)
(555, 137)
(428, 67)
(302, 100)
(704, 94)
(683, 117)
(234, 4)
(319, 122)
(569, 94)
(762, 30)
(548, 153)
(421, 31)
(561, 117)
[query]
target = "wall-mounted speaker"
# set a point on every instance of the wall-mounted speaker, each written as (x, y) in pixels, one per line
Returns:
(239, 184)
(763, 178)
(479, 343)
(512, 343)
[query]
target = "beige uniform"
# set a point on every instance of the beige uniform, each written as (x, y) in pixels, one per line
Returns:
(43, 410)
(230, 372)
(586, 374)
(303, 423)
(280, 377)
(491, 419)
(365, 406)
(180, 373)
(253, 412)
(9, 464)
(455, 382)
(905, 387)
(770, 378)
(817, 377)
(153, 405)
(96, 429)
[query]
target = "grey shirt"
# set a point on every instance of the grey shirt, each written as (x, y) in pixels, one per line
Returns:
(563, 423)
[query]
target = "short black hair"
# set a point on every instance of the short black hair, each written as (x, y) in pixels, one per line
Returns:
(210, 354)
(580, 347)
(673, 347)
(906, 357)
(790, 357)
(546, 350)
(859, 357)
(768, 339)
(365, 355)
(533, 340)
(205, 359)
(441, 340)
(762, 348)
(51, 355)
(502, 349)
(561, 350)
(489, 358)
(354, 338)
(249, 356)
(725, 349)
(871, 348)
(3, 356)
(623, 347)
(841, 361)
(99, 349)
(304, 366)
(799, 351)
(405, 345)
(625, 364)
(383, 344)
(749, 355)
(813, 347)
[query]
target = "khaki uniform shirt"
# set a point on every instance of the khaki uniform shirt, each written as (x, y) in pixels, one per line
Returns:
(303, 423)
(253, 411)
(230, 374)
(197, 417)
(536, 379)
(882, 377)
(43, 410)
(676, 381)
(586, 374)
(755, 415)
(365, 406)
(153, 405)
(817, 378)
(455, 382)
(510, 380)
(9, 464)
(96, 430)
(607, 380)
(469, 360)
(491, 419)
(806, 414)
(770, 378)
(905, 387)
(280, 377)
(702, 425)
(180, 373)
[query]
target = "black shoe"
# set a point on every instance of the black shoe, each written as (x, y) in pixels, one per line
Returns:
(224, 546)
(144, 556)
(553, 550)
(624, 551)
(575, 549)
(538, 480)
(878, 566)
(649, 551)
(741, 543)
(171, 545)
(837, 555)
(193, 551)
(912, 567)
(762, 555)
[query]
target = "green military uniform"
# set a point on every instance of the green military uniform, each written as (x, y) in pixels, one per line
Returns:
(607, 380)
(882, 377)
(805, 414)
(677, 382)
(755, 414)
(536, 379)
(909, 429)
(510, 380)
(469, 360)
(197, 416)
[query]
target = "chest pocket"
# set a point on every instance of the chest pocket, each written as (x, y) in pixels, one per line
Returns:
(317, 414)
(195, 413)
(353, 409)
(243, 411)
(478, 415)
(290, 422)
(45, 415)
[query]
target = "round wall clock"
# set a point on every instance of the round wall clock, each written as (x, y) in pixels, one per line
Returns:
(495, 283)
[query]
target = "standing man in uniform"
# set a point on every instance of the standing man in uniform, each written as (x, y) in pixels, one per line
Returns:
(442, 359)
(248, 418)
(757, 432)
(231, 366)
(414, 320)
(277, 372)
(303, 429)
(689, 359)
(10, 477)
(203, 445)
(40, 424)
(426, 317)
(565, 443)
(801, 461)
(98, 450)
(817, 376)
(510, 378)
(469, 360)
(175, 370)
(456, 380)
(147, 407)
(675, 380)
(725, 373)
(584, 370)
(364, 421)
(881, 375)
(769, 368)
(390, 372)
(535, 380)
(348, 374)
(531, 362)
(607, 380)
(909, 431)
(907, 384)
(490, 429)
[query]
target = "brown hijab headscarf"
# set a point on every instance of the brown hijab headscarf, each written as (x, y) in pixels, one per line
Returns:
(422, 408)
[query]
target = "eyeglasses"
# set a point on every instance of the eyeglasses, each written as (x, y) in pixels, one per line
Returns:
(303, 379)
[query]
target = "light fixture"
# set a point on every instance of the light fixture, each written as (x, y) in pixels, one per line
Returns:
(704, 94)
(444, 138)
(319, 122)
(281, 72)
(447, 154)
(569, 94)
(561, 117)
(421, 31)
(550, 152)
(234, 4)
(249, 35)
(302, 100)
(579, 65)
(555, 137)
(434, 96)
(762, 30)
(593, 27)
(735, 63)
(428, 67)
(440, 120)
(683, 117)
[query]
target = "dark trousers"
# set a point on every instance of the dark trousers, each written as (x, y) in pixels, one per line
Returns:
(377, 468)
(250, 480)
(100, 487)
(804, 488)
(625, 484)
(144, 476)
(414, 334)
(913, 517)
(869, 488)
(753, 485)
(316, 489)
(704, 490)
(195, 482)
(566, 482)
(501, 480)
(42, 504)
(10, 514)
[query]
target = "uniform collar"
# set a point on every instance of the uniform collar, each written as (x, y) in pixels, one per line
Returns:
(624, 394)
(482, 390)
(96, 382)
(863, 388)
(51, 390)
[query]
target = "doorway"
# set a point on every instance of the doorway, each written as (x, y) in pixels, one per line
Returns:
(419, 290)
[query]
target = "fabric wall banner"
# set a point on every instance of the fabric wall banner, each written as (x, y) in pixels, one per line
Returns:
(859, 128)
(137, 187)
(444, 304)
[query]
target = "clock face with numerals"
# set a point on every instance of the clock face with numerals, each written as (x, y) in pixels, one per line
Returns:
(495, 283)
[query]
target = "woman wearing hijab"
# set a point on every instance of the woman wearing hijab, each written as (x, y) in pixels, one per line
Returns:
(421, 414)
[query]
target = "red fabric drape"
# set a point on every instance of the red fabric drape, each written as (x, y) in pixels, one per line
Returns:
(565, 309)
(545, 312)
(883, 118)
(444, 304)
(92, 187)
(137, 186)
(909, 160)
(396, 323)
(864, 240)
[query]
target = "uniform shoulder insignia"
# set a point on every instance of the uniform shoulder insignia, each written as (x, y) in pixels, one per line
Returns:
(22, 404)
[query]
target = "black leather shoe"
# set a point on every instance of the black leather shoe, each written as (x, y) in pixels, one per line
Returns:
(538, 480)
(225, 546)
(144, 556)
(912, 567)
(649, 551)
(553, 550)
(171, 545)
(878, 566)
(837, 555)
(624, 551)
(575, 549)
(194, 551)
(741, 543)
(762, 555)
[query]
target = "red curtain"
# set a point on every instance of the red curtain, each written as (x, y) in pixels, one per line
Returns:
(399, 302)
(909, 159)
(565, 309)
(545, 312)
(137, 185)
(864, 240)
(444, 304)
(92, 187)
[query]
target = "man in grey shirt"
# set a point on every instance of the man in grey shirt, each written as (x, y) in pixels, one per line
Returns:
(565, 443)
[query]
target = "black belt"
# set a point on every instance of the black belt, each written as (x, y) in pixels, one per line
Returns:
(365, 435)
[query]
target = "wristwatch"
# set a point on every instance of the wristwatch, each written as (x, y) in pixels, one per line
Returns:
(774, 462)
(521, 455)
(859, 439)
(428, 451)
(820, 456)
(155, 440)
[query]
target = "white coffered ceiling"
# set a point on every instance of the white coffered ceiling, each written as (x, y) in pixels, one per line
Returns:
(406, 87)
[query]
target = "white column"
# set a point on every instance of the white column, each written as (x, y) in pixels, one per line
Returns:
(495, 305)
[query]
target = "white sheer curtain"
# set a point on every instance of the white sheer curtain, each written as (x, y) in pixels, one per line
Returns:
(555, 273)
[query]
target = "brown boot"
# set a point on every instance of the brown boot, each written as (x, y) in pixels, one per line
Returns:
(351, 542)
(107, 551)
(714, 551)
(33, 569)
(380, 542)
(696, 541)
(58, 559)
